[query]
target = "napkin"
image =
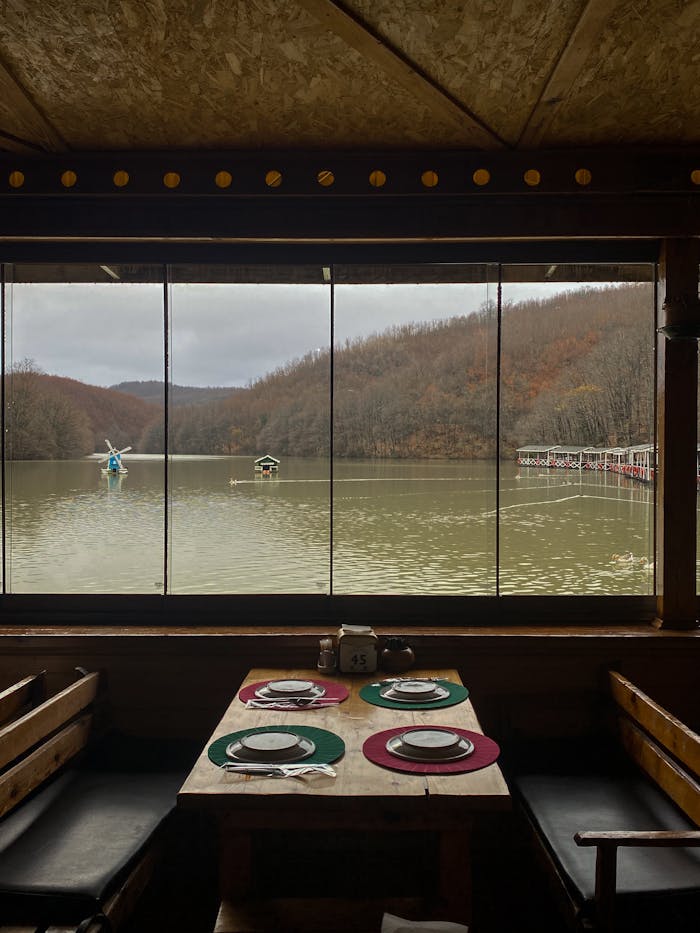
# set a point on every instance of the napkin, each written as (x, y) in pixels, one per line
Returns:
(392, 924)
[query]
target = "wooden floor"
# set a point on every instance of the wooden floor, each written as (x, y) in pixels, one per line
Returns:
(509, 896)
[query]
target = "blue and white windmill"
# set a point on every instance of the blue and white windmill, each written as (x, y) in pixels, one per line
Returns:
(114, 460)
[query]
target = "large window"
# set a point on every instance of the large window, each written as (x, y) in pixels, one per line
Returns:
(82, 345)
(577, 410)
(427, 430)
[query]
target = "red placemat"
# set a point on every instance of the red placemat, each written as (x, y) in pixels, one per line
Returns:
(486, 751)
(334, 691)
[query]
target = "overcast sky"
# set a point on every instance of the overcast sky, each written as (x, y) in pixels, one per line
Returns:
(221, 335)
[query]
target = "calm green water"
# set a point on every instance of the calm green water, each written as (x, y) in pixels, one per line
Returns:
(398, 527)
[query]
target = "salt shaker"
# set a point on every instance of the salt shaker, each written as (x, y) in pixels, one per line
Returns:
(326, 656)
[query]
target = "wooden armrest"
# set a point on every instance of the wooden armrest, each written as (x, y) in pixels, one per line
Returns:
(607, 844)
(656, 838)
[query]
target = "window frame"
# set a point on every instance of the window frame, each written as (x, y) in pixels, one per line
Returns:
(289, 610)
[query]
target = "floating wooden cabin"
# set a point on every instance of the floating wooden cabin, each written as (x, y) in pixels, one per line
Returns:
(328, 143)
(266, 465)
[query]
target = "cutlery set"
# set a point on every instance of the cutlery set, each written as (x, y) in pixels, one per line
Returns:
(299, 702)
(272, 770)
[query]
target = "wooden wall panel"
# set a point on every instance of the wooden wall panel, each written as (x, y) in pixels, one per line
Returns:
(542, 685)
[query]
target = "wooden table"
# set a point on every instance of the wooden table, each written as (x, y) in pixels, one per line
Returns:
(363, 797)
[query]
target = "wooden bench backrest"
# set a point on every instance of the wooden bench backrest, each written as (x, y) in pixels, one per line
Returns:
(20, 696)
(39, 742)
(661, 745)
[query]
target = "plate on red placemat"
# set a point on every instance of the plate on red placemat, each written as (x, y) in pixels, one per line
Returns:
(283, 689)
(321, 690)
(484, 751)
(432, 745)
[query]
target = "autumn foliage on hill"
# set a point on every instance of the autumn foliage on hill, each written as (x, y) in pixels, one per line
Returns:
(576, 368)
(55, 418)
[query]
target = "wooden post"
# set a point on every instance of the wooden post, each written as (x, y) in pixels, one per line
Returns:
(678, 321)
(605, 883)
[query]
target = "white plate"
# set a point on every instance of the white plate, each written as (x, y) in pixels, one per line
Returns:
(414, 691)
(429, 741)
(430, 745)
(281, 689)
(273, 746)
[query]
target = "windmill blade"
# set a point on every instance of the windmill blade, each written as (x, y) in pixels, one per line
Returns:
(113, 452)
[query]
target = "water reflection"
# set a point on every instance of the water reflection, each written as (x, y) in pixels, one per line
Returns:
(398, 527)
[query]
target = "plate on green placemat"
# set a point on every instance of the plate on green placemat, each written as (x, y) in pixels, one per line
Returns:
(275, 746)
(329, 747)
(414, 691)
(383, 693)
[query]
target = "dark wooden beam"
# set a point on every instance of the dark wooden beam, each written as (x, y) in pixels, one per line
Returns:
(678, 317)
(279, 175)
(583, 39)
(316, 221)
(399, 67)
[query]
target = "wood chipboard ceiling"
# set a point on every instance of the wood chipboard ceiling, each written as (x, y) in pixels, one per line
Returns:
(87, 75)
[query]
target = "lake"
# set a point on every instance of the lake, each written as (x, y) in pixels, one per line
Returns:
(421, 526)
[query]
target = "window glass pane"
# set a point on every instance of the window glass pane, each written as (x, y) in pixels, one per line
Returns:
(82, 343)
(414, 476)
(577, 430)
(249, 428)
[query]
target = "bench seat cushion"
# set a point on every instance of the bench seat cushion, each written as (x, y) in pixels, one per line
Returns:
(560, 805)
(64, 850)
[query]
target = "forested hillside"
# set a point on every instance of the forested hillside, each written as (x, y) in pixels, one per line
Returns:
(575, 369)
(55, 418)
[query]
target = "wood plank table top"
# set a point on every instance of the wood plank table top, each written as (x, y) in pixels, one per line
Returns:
(358, 780)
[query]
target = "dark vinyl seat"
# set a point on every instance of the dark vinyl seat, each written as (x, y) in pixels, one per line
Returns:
(64, 850)
(666, 881)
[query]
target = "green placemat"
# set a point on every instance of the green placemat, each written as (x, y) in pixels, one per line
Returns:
(458, 693)
(329, 746)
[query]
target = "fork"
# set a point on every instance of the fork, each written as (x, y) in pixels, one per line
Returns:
(291, 702)
(398, 680)
(270, 770)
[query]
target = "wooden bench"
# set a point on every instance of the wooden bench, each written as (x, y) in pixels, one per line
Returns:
(620, 838)
(78, 840)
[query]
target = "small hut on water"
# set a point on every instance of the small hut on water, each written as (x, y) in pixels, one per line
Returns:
(266, 465)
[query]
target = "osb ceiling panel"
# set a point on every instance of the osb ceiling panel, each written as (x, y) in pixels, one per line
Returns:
(493, 56)
(640, 83)
(482, 74)
(167, 73)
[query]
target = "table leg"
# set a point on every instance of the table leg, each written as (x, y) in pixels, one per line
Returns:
(455, 882)
(235, 860)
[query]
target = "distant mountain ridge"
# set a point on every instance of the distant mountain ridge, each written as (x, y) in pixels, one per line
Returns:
(151, 391)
